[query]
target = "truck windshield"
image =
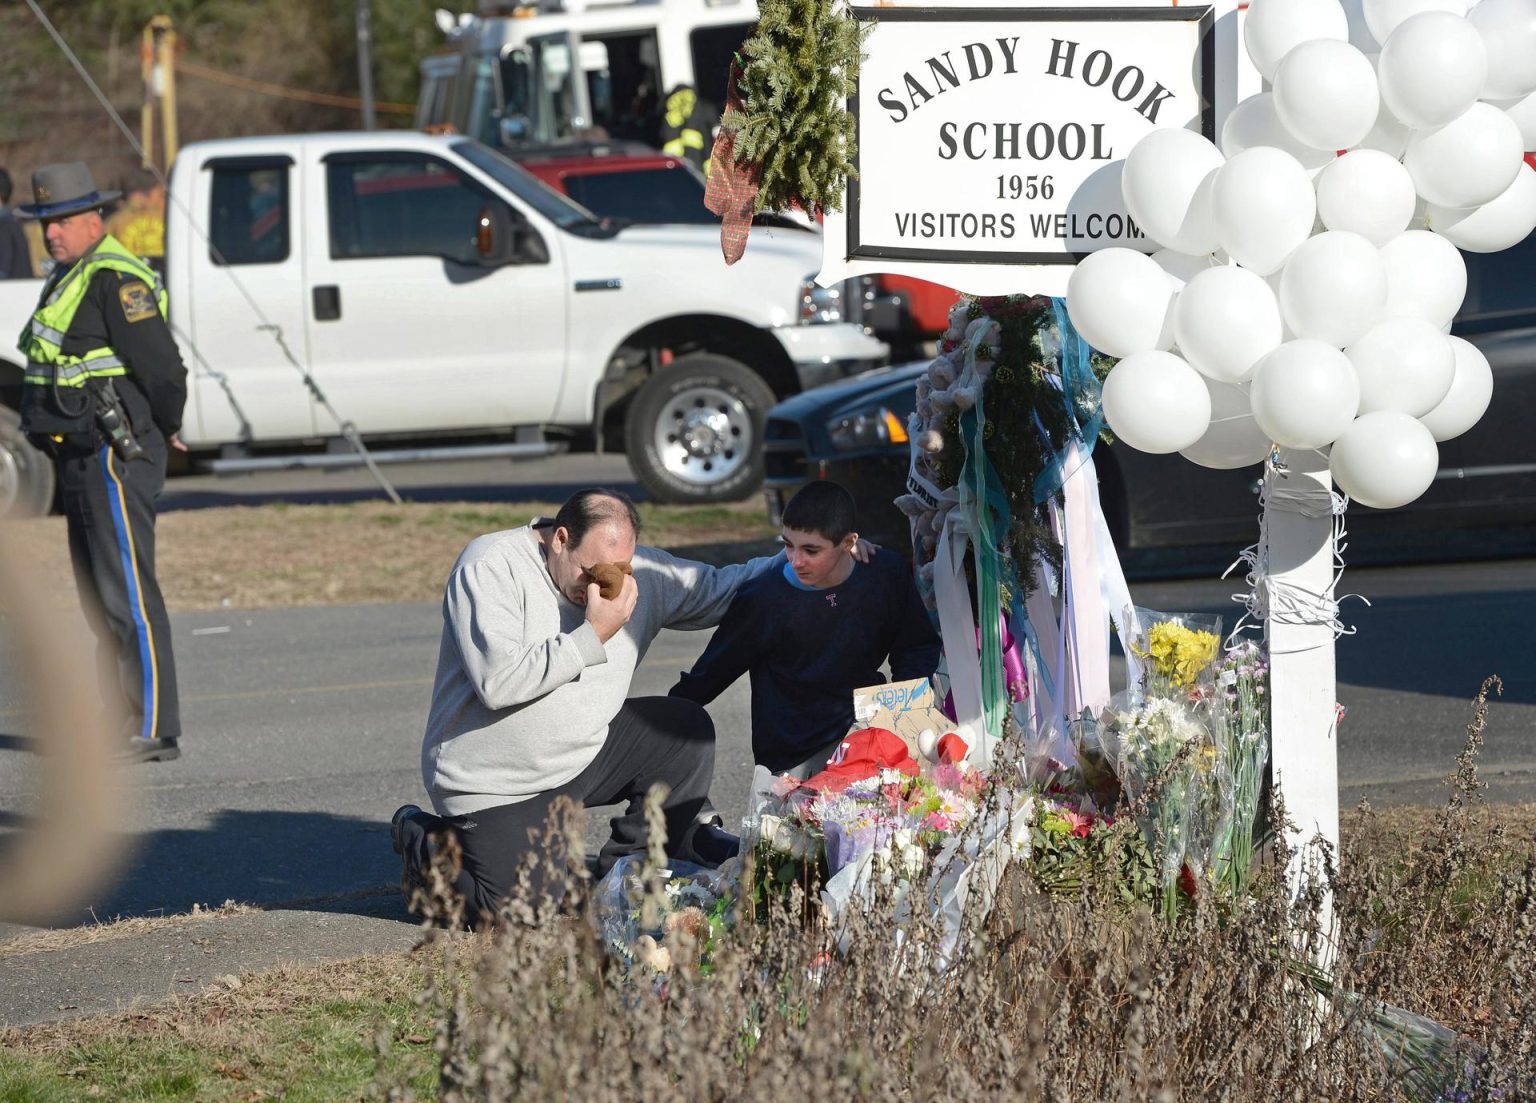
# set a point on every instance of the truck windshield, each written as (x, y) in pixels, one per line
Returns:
(551, 204)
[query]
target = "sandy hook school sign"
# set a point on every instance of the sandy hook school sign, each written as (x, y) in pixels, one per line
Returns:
(991, 139)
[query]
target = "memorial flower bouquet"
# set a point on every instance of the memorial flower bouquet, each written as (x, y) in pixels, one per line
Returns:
(693, 908)
(1242, 680)
(1070, 840)
(1163, 735)
(804, 834)
(1174, 652)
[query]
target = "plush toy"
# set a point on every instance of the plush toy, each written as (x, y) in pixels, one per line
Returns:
(610, 578)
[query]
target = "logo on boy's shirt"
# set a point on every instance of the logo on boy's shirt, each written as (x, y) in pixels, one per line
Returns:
(832, 600)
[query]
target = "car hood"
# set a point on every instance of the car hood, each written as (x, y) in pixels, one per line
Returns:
(763, 286)
(892, 387)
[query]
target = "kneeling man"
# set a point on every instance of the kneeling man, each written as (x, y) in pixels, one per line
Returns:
(531, 698)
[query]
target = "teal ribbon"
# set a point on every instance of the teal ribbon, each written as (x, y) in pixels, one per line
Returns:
(1080, 394)
(982, 496)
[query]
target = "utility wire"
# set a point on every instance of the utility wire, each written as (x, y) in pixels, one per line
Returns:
(203, 72)
(347, 429)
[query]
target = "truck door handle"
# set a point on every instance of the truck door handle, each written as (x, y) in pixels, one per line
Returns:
(327, 303)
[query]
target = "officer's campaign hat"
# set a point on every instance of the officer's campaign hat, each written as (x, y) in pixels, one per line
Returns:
(62, 190)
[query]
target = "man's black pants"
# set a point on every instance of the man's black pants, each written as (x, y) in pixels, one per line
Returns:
(652, 739)
(109, 504)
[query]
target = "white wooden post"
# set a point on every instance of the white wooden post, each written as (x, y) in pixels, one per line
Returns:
(1299, 556)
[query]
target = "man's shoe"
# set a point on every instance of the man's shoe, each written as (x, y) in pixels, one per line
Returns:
(713, 844)
(139, 749)
(403, 813)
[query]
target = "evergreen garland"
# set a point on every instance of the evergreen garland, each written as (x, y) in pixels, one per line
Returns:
(798, 68)
(1019, 401)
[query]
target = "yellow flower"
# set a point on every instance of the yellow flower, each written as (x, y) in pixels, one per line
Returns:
(1178, 653)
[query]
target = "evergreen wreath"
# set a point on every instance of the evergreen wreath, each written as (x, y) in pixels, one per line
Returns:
(797, 70)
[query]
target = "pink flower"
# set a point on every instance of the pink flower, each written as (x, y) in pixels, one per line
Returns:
(1081, 824)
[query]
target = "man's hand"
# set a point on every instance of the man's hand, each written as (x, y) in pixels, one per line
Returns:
(863, 550)
(607, 617)
(174, 440)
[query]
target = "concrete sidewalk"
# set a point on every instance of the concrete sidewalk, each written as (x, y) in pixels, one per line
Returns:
(53, 975)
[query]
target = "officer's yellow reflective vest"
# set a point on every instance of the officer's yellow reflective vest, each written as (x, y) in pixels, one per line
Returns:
(47, 363)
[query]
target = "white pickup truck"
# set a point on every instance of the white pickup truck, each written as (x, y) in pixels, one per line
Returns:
(437, 293)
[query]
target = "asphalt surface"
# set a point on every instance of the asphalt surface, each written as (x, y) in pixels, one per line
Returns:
(304, 725)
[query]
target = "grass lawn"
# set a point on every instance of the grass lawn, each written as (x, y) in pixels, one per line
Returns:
(254, 557)
(296, 1034)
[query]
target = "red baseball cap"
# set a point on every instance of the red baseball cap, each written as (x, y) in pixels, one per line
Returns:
(861, 755)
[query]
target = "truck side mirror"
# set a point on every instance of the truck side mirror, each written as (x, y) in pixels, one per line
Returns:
(503, 236)
(512, 130)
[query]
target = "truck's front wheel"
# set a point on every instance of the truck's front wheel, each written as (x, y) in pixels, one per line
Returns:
(694, 431)
(26, 475)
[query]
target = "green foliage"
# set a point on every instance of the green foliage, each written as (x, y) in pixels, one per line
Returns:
(1114, 855)
(798, 68)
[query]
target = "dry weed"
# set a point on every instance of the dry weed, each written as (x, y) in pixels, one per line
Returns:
(1050, 998)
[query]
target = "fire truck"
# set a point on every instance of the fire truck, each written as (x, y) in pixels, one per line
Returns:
(560, 75)
(526, 75)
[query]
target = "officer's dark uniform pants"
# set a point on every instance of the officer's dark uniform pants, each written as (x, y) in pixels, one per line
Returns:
(110, 507)
(665, 739)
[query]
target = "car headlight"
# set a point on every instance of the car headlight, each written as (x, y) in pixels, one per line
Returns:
(867, 429)
(819, 305)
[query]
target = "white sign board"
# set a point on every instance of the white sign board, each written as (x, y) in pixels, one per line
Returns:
(991, 140)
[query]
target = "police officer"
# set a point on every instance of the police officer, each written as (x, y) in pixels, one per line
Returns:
(103, 394)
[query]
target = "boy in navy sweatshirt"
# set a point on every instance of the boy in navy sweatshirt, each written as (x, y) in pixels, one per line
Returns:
(811, 634)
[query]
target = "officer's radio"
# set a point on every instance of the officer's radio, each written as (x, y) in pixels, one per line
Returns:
(113, 420)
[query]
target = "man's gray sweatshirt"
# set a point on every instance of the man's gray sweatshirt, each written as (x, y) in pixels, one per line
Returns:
(525, 690)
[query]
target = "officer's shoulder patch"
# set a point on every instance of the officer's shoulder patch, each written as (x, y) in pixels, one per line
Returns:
(137, 301)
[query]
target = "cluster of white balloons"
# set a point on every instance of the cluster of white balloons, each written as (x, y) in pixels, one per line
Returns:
(1309, 268)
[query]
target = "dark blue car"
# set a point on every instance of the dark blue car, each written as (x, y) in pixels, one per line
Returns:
(1161, 507)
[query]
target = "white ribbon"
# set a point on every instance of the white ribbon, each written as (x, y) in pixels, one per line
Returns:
(958, 626)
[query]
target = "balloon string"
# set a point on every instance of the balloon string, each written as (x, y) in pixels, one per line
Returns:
(1280, 601)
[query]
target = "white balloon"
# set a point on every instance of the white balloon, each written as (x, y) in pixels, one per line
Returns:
(1233, 439)
(1360, 36)
(1304, 394)
(1432, 69)
(1155, 402)
(1325, 94)
(1366, 192)
(1224, 322)
(1524, 114)
(1508, 28)
(1096, 200)
(1333, 288)
(1182, 267)
(1384, 460)
(1495, 226)
(1467, 401)
(1119, 300)
(1273, 28)
(1382, 17)
(1264, 206)
(1389, 134)
(1403, 364)
(1167, 184)
(1468, 161)
(1255, 123)
(1426, 277)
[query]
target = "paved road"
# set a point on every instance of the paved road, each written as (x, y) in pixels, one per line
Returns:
(304, 725)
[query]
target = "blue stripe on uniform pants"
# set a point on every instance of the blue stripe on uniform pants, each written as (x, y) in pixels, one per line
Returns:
(119, 507)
